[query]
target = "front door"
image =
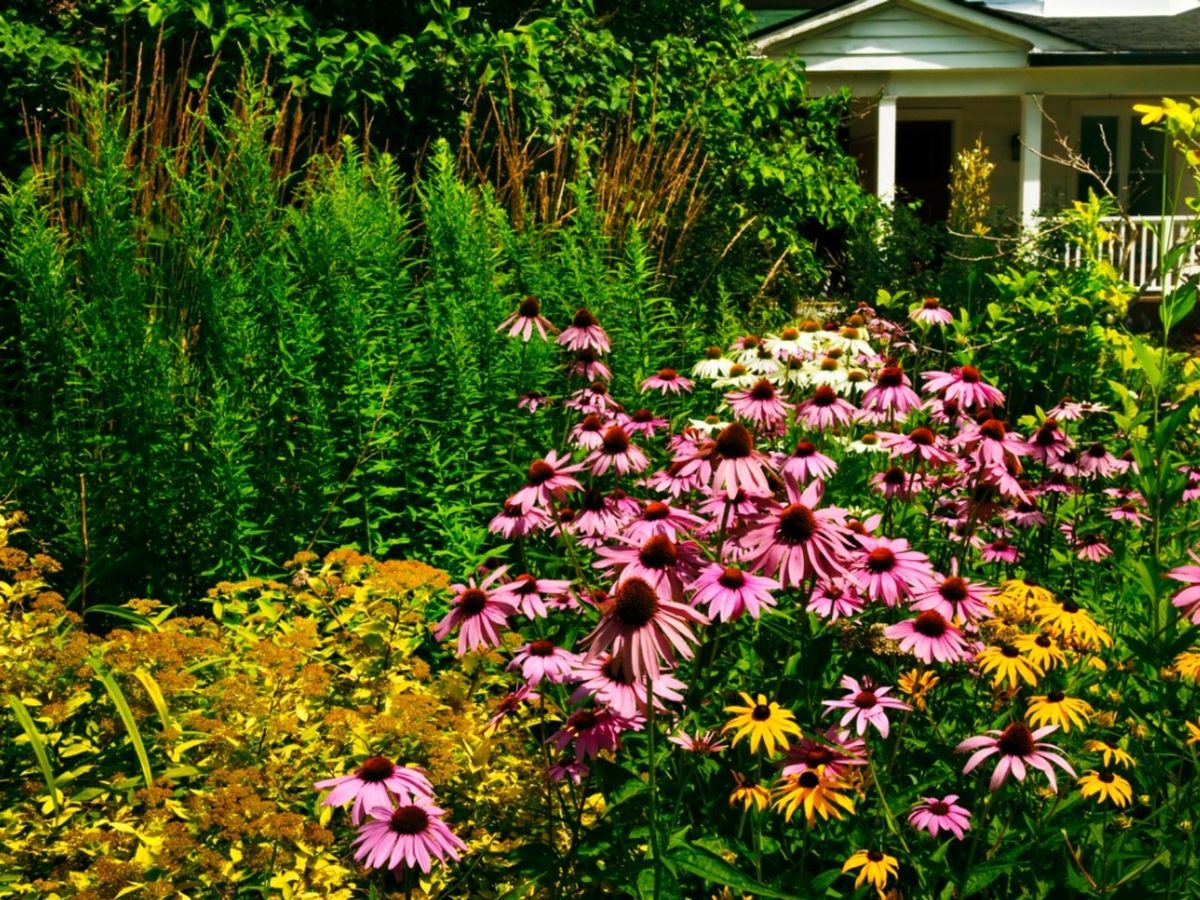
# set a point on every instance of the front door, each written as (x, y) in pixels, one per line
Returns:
(924, 151)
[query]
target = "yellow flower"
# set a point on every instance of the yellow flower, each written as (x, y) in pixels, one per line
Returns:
(817, 792)
(1193, 733)
(1070, 620)
(1043, 651)
(1109, 753)
(766, 723)
(917, 684)
(1150, 114)
(875, 867)
(1009, 665)
(749, 793)
(1188, 664)
(1056, 708)
(1024, 595)
(1106, 786)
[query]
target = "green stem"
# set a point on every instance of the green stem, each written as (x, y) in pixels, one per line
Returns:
(654, 847)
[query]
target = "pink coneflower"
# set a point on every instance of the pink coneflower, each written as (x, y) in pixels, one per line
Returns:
(934, 815)
(728, 591)
(805, 463)
(412, 835)
(527, 317)
(671, 481)
(833, 753)
(588, 366)
(931, 312)
(888, 570)
(865, 704)
(594, 398)
(616, 451)
(657, 517)
(593, 730)
(585, 333)
(515, 521)
(529, 594)
(1049, 441)
(642, 421)
(738, 465)
(476, 612)
(544, 659)
(964, 385)
(510, 705)
(373, 784)
(1019, 748)
(641, 629)
(667, 381)
(1129, 511)
(990, 443)
(605, 680)
(664, 564)
(1026, 514)
(598, 516)
(1192, 491)
(1097, 461)
(955, 597)
(824, 410)
(798, 541)
(533, 401)
(922, 441)
(1069, 410)
(891, 397)
(928, 637)
(1089, 545)
(944, 412)
(894, 482)
(760, 405)
(709, 742)
(589, 433)
(568, 767)
(1188, 600)
(836, 598)
(549, 477)
(1000, 551)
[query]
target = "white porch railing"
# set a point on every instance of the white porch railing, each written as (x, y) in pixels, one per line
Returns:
(1134, 249)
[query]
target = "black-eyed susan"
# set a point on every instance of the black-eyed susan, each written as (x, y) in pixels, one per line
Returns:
(749, 794)
(1070, 620)
(1110, 753)
(1193, 733)
(1042, 649)
(874, 866)
(1024, 597)
(1106, 786)
(815, 790)
(917, 684)
(1187, 664)
(765, 721)
(1056, 708)
(1007, 664)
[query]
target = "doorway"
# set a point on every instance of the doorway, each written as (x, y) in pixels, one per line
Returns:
(924, 153)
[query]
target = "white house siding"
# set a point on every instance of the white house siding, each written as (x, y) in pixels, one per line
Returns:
(894, 38)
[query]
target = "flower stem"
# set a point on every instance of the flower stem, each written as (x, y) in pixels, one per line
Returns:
(654, 848)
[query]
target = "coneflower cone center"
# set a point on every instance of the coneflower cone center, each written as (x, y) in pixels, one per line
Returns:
(789, 334)
(829, 364)
(643, 415)
(930, 624)
(583, 720)
(615, 440)
(953, 589)
(761, 712)
(376, 769)
(713, 353)
(584, 319)
(824, 396)
(737, 370)
(762, 390)
(473, 601)
(797, 524)
(524, 584)
(1016, 740)
(530, 308)
(655, 511)
(614, 671)
(668, 374)
(881, 560)
(591, 423)
(890, 376)
(593, 500)
(939, 807)
(541, 648)
(994, 429)
(922, 437)
(818, 756)
(659, 552)
(970, 375)
(732, 578)
(865, 699)
(805, 449)
(894, 477)
(540, 472)
(931, 303)
(636, 603)
(409, 820)
(735, 441)
(1097, 451)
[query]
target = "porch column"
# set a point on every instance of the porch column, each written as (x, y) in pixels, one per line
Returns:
(885, 150)
(1031, 159)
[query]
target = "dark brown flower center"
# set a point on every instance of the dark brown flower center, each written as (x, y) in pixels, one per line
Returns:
(541, 648)
(939, 807)
(667, 374)
(737, 370)
(656, 510)
(591, 422)
(880, 560)
(473, 601)
(713, 353)
(789, 334)
(636, 603)
(1055, 697)
(1010, 652)
(582, 720)
(829, 364)
(749, 342)
(761, 712)
(1043, 641)
(1106, 777)
(970, 375)
(1097, 451)
(856, 321)
(994, 429)
(540, 472)
(874, 856)
(593, 500)
(615, 441)
(824, 395)
(894, 477)
(762, 390)
(614, 671)
(659, 552)
(922, 437)
(530, 308)
(805, 449)
(931, 624)
(584, 319)
(810, 326)
(1016, 740)
(818, 755)
(732, 578)
(890, 376)
(796, 524)
(931, 303)
(953, 589)
(865, 699)
(376, 769)
(808, 779)
(524, 584)
(409, 820)
(1069, 606)
(643, 415)
(735, 441)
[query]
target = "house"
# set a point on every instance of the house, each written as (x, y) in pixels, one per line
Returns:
(1029, 77)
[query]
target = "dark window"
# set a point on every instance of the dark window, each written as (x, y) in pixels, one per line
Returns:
(924, 152)
(1147, 161)
(1098, 147)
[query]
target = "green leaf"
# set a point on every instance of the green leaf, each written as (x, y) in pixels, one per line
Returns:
(715, 870)
(39, 747)
(1145, 356)
(1177, 304)
(126, 714)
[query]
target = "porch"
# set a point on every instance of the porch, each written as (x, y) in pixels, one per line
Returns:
(1136, 247)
